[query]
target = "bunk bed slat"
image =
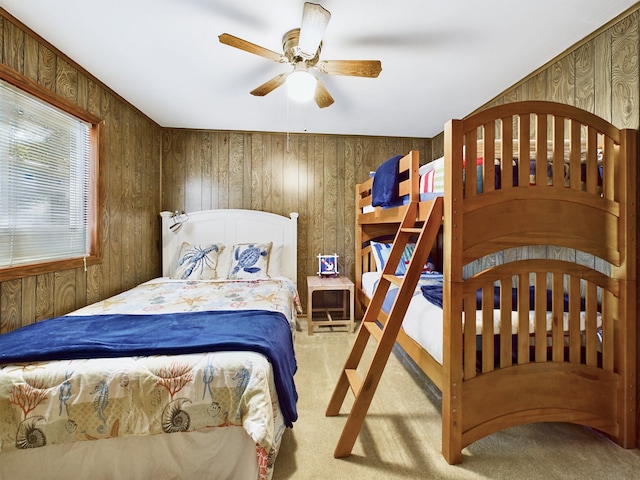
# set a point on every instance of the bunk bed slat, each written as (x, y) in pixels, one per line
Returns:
(575, 140)
(506, 152)
(558, 169)
(524, 132)
(541, 154)
(471, 170)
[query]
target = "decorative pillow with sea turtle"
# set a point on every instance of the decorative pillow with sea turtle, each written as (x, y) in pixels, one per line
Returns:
(249, 261)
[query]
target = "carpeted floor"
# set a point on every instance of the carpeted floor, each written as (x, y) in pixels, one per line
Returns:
(401, 436)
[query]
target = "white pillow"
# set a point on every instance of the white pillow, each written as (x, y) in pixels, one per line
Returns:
(275, 261)
(437, 163)
(197, 262)
(380, 253)
(249, 261)
(224, 259)
(425, 168)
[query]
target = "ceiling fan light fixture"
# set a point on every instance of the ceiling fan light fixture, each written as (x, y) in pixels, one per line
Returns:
(315, 19)
(301, 86)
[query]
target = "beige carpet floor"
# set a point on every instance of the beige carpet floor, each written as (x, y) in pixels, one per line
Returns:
(401, 436)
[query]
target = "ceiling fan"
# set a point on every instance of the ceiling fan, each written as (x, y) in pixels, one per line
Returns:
(301, 47)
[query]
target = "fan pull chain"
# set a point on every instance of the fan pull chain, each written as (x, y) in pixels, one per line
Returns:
(288, 124)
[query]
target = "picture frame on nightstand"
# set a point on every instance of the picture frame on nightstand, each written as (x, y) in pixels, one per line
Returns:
(328, 265)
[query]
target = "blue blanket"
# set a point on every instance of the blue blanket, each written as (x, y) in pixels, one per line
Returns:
(392, 293)
(384, 190)
(117, 335)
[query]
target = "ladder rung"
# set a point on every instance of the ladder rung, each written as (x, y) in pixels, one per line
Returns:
(394, 279)
(374, 329)
(411, 230)
(355, 382)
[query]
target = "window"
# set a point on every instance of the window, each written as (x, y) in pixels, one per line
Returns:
(48, 184)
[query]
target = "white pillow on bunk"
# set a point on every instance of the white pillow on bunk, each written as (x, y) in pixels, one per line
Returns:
(249, 261)
(197, 262)
(432, 165)
(377, 249)
(432, 176)
(381, 255)
(401, 269)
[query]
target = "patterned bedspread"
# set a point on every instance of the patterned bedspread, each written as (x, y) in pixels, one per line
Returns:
(77, 400)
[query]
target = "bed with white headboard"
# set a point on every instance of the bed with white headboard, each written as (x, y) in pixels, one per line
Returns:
(204, 395)
(230, 227)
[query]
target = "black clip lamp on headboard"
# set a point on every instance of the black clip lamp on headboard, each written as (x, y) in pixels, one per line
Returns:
(179, 219)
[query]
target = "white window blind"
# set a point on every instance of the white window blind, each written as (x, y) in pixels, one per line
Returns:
(44, 181)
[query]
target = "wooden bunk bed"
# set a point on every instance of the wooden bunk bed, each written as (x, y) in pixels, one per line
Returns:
(539, 247)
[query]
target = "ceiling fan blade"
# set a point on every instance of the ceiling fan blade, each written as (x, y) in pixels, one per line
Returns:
(315, 19)
(322, 96)
(270, 85)
(352, 68)
(236, 42)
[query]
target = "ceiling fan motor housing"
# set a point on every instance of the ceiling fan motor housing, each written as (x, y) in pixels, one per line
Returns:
(293, 53)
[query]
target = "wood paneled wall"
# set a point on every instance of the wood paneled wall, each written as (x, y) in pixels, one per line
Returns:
(130, 154)
(600, 75)
(314, 175)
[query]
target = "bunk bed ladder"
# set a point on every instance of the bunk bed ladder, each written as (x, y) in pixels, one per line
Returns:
(385, 333)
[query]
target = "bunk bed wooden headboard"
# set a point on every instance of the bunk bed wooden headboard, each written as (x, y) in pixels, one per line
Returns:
(583, 200)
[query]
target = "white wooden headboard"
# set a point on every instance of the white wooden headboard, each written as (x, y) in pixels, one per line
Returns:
(229, 227)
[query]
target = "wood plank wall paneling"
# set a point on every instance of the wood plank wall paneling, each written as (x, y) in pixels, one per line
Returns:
(600, 75)
(624, 72)
(313, 175)
(130, 155)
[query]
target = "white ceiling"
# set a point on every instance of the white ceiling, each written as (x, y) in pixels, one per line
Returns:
(441, 59)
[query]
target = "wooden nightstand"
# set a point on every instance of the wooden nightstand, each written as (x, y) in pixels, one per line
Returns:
(315, 284)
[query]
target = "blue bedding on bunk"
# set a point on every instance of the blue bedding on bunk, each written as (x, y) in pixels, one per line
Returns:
(384, 190)
(118, 335)
(433, 293)
(430, 278)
